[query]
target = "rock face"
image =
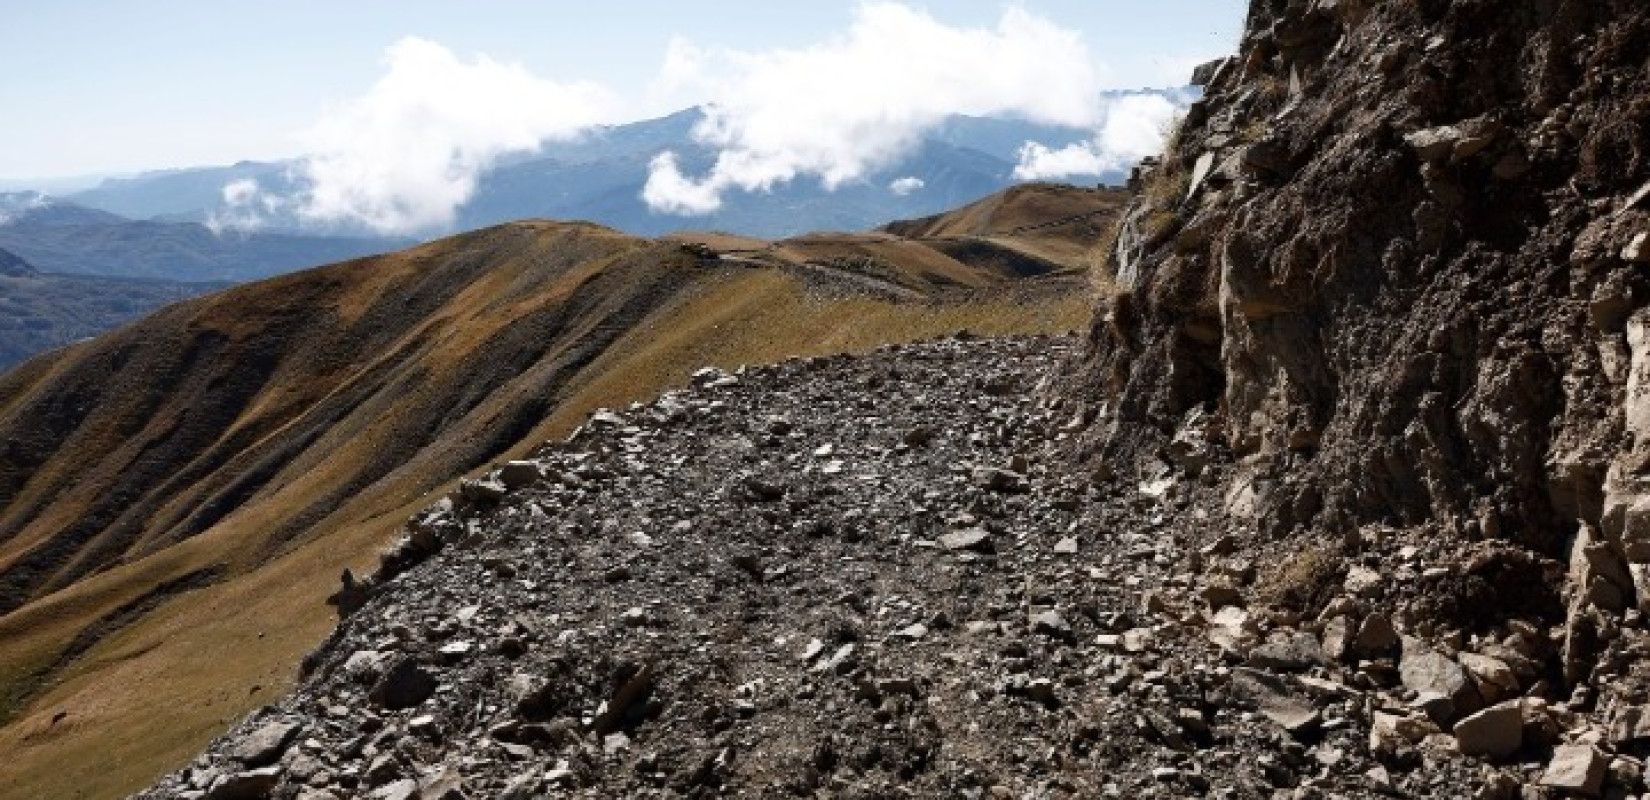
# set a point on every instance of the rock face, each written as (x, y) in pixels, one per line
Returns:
(1391, 265)
(1407, 290)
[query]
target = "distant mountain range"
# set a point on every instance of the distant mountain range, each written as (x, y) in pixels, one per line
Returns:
(160, 225)
(141, 242)
(69, 272)
(599, 178)
(65, 237)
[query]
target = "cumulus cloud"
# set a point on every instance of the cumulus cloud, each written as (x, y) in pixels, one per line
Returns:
(1131, 128)
(840, 109)
(668, 190)
(906, 185)
(407, 154)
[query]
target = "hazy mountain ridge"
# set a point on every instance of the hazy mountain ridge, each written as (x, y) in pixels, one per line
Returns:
(13, 267)
(599, 177)
(58, 236)
(40, 312)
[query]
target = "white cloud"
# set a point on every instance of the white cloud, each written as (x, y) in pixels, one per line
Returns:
(670, 191)
(844, 107)
(906, 185)
(406, 155)
(239, 192)
(1132, 127)
(15, 204)
(246, 206)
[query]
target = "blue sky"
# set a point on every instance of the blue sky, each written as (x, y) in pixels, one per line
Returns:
(101, 86)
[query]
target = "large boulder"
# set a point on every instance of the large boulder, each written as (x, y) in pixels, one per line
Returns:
(1576, 768)
(1275, 700)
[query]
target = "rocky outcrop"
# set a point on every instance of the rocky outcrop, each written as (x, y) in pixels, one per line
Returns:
(1391, 266)
(1390, 262)
(790, 580)
(1392, 249)
(840, 577)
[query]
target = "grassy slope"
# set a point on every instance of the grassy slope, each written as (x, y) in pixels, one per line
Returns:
(145, 697)
(1014, 217)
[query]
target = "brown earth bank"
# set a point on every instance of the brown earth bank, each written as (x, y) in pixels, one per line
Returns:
(178, 498)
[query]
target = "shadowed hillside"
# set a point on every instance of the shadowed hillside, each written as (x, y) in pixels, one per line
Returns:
(13, 267)
(40, 311)
(178, 498)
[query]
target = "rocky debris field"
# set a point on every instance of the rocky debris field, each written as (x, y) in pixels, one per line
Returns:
(855, 577)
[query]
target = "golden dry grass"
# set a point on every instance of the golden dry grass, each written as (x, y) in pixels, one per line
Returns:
(1018, 208)
(718, 240)
(766, 316)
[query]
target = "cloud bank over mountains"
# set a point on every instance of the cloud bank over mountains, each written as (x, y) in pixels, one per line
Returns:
(404, 156)
(838, 109)
(1131, 127)
(407, 154)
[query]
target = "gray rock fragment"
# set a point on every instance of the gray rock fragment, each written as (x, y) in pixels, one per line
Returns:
(1495, 733)
(253, 784)
(1426, 670)
(403, 686)
(265, 745)
(1288, 651)
(1276, 701)
(975, 539)
(1577, 768)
